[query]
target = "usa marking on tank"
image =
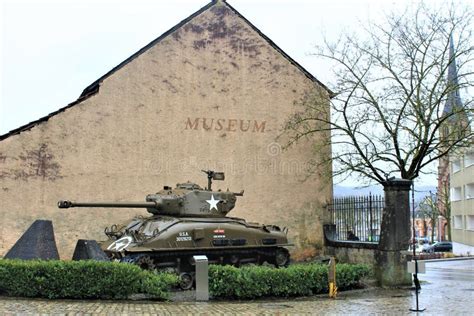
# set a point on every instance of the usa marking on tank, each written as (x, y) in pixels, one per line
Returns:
(183, 236)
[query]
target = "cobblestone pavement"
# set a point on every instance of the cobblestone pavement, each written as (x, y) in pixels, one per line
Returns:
(447, 288)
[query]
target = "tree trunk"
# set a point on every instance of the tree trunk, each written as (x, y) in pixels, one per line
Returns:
(433, 228)
(448, 224)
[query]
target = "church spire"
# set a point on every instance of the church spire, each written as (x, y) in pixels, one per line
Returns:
(453, 99)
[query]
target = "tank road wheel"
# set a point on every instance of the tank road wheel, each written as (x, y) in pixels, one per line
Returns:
(186, 280)
(146, 263)
(234, 260)
(282, 258)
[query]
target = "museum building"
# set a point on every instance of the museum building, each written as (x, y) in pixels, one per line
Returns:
(213, 92)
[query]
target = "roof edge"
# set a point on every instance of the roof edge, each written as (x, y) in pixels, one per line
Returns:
(281, 51)
(32, 124)
(93, 88)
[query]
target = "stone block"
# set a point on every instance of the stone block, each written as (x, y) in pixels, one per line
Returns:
(36, 243)
(88, 250)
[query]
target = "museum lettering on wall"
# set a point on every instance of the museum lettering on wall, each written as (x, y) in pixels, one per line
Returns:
(227, 125)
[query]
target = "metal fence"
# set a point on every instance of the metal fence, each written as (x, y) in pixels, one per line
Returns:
(357, 218)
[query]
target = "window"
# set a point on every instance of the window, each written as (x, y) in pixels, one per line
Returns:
(468, 159)
(470, 222)
(457, 221)
(469, 191)
(445, 132)
(456, 165)
(456, 194)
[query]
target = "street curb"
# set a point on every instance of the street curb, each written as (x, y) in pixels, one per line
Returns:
(448, 259)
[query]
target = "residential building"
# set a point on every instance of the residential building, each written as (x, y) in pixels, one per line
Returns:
(462, 202)
(456, 171)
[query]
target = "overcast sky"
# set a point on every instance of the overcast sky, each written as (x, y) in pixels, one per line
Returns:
(51, 50)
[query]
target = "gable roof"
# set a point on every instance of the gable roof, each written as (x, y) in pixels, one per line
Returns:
(94, 87)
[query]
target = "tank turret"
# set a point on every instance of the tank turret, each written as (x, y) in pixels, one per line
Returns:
(186, 199)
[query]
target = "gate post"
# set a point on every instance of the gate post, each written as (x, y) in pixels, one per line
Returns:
(392, 255)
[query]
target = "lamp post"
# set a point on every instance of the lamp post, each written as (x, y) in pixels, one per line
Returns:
(415, 275)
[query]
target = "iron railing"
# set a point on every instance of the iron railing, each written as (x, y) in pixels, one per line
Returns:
(357, 218)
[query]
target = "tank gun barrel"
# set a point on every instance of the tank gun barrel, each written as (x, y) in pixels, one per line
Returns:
(69, 204)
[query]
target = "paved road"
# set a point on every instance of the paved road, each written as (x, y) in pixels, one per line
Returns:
(447, 289)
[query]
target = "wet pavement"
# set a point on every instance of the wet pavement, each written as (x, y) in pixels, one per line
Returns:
(447, 289)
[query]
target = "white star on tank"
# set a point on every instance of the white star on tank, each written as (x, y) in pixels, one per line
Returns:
(212, 203)
(120, 244)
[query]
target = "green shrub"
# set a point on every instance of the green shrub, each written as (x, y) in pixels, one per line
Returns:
(349, 275)
(93, 279)
(80, 279)
(296, 280)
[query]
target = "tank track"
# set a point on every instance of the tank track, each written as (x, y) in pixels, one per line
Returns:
(182, 261)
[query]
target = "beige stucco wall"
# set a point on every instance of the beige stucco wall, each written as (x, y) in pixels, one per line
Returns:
(463, 207)
(139, 132)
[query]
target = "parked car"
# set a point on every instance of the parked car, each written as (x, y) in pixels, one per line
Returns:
(421, 243)
(422, 240)
(440, 246)
(422, 247)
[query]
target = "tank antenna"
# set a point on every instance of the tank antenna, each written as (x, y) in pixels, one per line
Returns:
(209, 179)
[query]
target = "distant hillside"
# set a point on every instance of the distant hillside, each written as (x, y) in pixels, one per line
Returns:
(339, 191)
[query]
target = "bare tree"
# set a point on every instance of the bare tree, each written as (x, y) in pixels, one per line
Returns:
(444, 207)
(428, 209)
(387, 111)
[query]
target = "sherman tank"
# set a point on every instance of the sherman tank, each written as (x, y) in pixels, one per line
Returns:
(190, 220)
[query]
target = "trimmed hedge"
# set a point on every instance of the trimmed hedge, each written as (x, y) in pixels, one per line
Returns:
(297, 280)
(95, 279)
(80, 279)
